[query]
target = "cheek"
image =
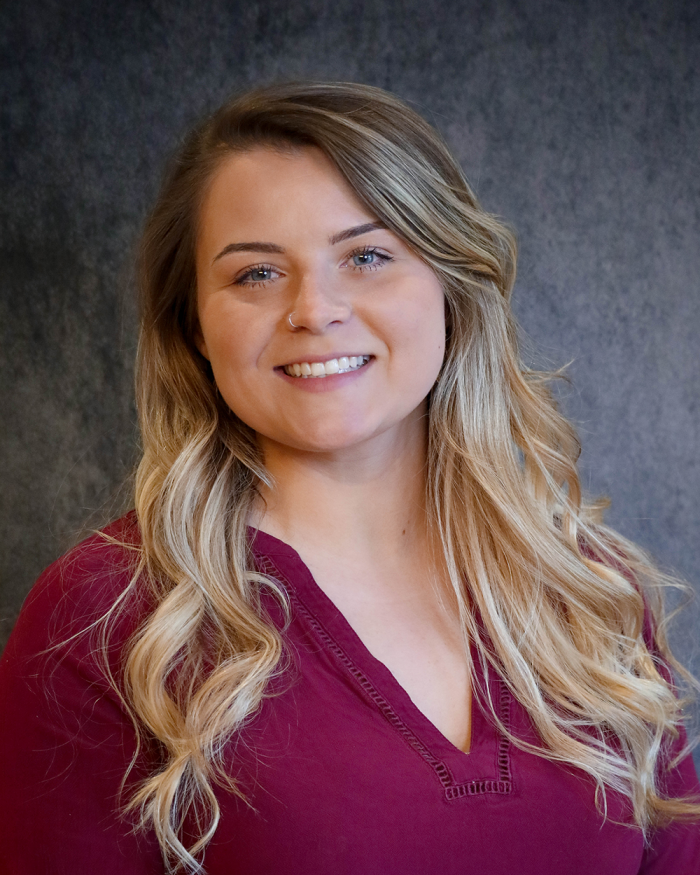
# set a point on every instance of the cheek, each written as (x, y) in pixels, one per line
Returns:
(222, 352)
(230, 357)
(238, 343)
(414, 331)
(230, 335)
(418, 327)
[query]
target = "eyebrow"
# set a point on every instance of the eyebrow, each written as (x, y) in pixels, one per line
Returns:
(273, 248)
(249, 247)
(356, 231)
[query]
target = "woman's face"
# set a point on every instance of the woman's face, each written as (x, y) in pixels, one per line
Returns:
(282, 234)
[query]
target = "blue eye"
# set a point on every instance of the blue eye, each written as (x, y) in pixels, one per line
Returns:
(255, 276)
(260, 274)
(368, 259)
(364, 258)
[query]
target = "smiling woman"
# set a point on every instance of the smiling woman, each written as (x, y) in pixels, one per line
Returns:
(361, 619)
(337, 285)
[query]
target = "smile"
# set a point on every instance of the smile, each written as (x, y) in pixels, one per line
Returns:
(341, 365)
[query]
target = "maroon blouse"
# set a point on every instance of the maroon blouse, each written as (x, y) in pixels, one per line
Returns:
(343, 773)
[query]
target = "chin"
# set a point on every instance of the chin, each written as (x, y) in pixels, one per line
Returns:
(325, 435)
(329, 441)
(339, 432)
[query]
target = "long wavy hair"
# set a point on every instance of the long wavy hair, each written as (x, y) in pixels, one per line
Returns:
(553, 601)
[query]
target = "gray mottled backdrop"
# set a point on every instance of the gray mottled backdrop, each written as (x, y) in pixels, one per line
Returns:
(579, 122)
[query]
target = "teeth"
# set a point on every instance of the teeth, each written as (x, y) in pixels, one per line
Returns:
(325, 369)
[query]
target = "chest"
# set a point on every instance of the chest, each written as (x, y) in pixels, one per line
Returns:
(345, 774)
(412, 628)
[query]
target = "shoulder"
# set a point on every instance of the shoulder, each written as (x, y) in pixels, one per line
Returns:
(80, 587)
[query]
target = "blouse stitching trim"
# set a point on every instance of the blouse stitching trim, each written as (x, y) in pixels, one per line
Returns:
(501, 785)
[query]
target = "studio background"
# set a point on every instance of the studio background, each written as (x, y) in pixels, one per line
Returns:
(578, 122)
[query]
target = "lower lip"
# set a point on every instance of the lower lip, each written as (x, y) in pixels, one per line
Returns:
(324, 384)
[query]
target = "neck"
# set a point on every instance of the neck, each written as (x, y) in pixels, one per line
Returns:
(363, 501)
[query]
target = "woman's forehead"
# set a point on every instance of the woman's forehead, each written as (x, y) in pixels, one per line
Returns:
(265, 193)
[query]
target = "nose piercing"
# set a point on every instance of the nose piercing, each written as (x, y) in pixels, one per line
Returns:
(289, 318)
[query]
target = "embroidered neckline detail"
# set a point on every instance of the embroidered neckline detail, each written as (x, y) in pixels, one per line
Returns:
(500, 784)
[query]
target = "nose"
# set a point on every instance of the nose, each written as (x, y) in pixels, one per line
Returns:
(317, 303)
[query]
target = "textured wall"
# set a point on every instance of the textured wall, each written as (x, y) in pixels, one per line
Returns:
(577, 121)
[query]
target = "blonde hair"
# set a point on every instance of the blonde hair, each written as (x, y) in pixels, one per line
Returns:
(551, 599)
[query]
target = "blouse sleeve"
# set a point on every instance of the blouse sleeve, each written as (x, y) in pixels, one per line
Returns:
(675, 848)
(65, 739)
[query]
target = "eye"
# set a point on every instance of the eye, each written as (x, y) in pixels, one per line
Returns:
(368, 258)
(256, 276)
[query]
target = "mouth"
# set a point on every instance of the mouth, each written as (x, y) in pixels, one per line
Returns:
(343, 365)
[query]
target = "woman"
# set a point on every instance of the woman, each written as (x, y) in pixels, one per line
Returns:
(361, 620)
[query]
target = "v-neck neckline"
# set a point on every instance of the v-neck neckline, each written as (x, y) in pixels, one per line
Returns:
(485, 768)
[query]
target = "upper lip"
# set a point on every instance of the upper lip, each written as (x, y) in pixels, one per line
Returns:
(325, 357)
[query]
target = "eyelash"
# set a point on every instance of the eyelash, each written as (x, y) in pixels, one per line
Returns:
(363, 250)
(241, 280)
(369, 250)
